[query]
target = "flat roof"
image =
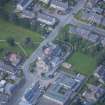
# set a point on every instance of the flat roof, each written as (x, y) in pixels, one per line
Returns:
(64, 87)
(44, 101)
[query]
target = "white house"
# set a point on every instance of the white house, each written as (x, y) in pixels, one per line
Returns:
(47, 19)
(59, 5)
(45, 1)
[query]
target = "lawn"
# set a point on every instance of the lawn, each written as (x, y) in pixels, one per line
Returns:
(82, 63)
(8, 29)
(5, 48)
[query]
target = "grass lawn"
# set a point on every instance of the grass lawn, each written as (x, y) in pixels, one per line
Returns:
(10, 30)
(18, 33)
(5, 46)
(82, 63)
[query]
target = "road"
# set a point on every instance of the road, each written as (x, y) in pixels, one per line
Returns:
(32, 78)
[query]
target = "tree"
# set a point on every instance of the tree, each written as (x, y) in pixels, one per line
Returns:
(99, 47)
(71, 2)
(11, 41)
(76, 41)
(101, 57)
(34, 22)
(3, 2)
(65, 33)
(28, 40)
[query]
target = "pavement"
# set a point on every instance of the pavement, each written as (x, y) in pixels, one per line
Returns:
(32, 78)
